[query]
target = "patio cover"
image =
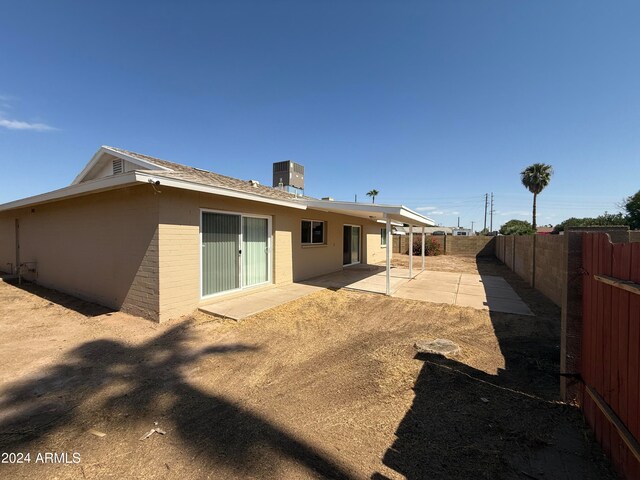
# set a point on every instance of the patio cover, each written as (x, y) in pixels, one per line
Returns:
(390, 214)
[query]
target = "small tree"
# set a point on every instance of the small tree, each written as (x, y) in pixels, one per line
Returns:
(373, 194)
(517, 227)
(632, 207)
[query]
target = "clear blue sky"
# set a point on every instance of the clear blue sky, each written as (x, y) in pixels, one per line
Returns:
(433, 103)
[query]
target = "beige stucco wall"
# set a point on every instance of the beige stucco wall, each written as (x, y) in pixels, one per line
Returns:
(101, 247)
(139, 251)
(179, 244)
(7, 244)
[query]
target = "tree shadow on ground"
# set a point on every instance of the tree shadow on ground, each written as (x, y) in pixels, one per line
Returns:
(88, 309)
(465, 423)
(219, 433)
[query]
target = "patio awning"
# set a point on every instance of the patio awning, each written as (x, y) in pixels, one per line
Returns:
(371, 211)
(390, 214)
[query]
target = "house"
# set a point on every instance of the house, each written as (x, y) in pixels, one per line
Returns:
(159, 239)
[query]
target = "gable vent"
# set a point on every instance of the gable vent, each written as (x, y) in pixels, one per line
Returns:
(117, 166)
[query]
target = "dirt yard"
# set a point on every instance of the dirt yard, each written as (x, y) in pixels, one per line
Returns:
(328, 386)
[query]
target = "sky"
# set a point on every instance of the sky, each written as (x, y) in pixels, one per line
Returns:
(432, 103)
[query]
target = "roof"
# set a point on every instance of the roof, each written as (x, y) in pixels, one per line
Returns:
(197, 175)
(176, 175)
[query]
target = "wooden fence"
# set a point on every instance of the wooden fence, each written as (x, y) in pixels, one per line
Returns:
(610, 350)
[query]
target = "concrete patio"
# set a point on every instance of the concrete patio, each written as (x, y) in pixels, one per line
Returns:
(366, 278)
(243, 306)
(482, 292)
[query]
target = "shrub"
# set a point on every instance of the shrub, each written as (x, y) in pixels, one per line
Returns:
(431, 246)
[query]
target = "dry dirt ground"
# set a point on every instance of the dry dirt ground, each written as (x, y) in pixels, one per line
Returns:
(327, 386)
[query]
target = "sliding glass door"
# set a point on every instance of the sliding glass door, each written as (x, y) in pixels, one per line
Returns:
(351, 245)
(235, 252)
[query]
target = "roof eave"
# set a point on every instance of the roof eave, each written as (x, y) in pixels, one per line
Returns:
(75, 190)
(225, 192)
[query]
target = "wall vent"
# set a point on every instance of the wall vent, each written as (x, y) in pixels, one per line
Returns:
(117, 166)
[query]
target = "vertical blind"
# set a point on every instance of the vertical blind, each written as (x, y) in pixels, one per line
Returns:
(255, 250)
(220, 250)
(355, 244)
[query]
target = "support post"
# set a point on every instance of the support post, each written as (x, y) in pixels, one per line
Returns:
(422, 249)
(388, 234)
(410, 252)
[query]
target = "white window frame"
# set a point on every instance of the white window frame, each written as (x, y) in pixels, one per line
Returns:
(383, 237)
(241, 272)
(324, 233)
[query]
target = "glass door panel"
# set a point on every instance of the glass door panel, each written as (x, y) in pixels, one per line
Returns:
(255, 251)
(220, 252)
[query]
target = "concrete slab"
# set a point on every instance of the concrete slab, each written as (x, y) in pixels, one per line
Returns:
(489, 291)
(473, 279)
(368, 278)
(441, 277)
(423, 295)
(517, 307)
(482, 292)
(244, 306)
(474, 301)
(433, 285)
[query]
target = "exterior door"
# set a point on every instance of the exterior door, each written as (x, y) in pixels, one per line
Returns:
(220, 252)
(351, 245)
(235, 252)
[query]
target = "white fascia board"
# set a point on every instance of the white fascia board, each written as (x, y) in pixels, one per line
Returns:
(395, 224)
(421, 219)
(226, 192)
(92, 186)
(104, 149)
(406, 215)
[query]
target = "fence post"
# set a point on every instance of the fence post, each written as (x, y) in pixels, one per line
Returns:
(533, 261)
(571, 320)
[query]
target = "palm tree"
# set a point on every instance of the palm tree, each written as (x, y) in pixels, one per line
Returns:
(536, 177)
(373, 194)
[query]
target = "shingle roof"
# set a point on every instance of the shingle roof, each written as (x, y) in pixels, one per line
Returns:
(192, 174)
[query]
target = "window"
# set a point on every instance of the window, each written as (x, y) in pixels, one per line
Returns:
(383, 237)
(312, 232)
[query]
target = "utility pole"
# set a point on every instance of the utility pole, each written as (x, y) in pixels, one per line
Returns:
(491, 228)
(356, 198)
(458, 222)
(486, 202)
(472, 222)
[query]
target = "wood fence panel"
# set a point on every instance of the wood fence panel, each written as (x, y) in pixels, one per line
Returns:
(610, 360)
